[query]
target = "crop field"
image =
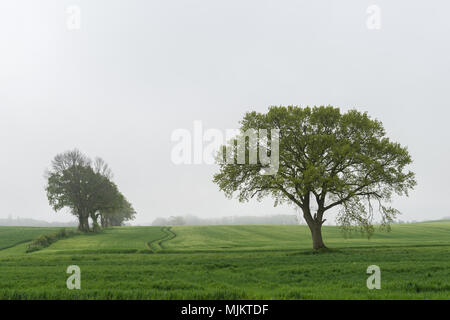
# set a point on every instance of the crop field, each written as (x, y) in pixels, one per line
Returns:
(13, 236)
(227, 262)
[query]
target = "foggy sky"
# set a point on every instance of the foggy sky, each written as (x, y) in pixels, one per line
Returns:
(138, 70)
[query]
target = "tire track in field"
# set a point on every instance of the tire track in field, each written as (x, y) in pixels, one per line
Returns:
(170, 236)
(157, 245)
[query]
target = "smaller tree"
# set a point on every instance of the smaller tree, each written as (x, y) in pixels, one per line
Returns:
(105, 194)
(118, 213)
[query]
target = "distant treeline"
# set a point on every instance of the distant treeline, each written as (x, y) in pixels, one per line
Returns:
(26, 222)
(232, 220)
(240, 220)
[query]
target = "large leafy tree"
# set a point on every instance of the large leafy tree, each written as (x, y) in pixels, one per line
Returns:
(68, 181)
(327, 159)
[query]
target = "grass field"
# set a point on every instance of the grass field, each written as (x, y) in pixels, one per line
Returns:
(12, 236)
(228, 262)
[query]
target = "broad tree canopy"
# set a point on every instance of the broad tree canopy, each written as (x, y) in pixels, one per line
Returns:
(333, 159)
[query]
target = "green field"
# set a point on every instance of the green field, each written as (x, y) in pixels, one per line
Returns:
(11, 237)
(227, 262)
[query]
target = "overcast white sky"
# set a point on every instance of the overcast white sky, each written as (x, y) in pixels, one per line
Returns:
(137, 70)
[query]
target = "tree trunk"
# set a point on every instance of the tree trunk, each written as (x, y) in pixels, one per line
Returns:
(83, 225)
(315, 225)
(316, 232)
(95, 225)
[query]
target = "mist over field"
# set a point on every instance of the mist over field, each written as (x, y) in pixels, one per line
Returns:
(120, 85)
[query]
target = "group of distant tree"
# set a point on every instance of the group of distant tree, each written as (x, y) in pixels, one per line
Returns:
(232, 220)
(280, 219)
(86, 188)
(171, 221)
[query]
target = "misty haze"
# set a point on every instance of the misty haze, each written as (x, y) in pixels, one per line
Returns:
(224, 150)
